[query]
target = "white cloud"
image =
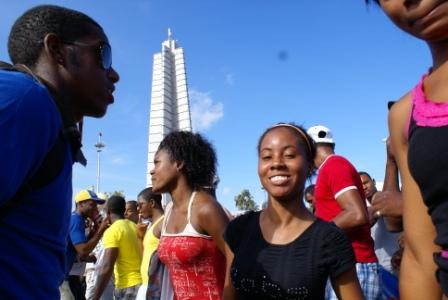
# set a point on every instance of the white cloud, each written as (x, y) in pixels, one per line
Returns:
(204, 110)
(119, 160)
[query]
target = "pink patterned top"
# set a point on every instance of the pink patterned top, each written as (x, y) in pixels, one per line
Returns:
(428, 113)
(196, 266)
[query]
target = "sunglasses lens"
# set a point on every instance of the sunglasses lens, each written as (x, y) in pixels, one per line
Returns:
(106, 56)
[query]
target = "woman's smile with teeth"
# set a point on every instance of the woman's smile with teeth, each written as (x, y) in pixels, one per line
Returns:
(279, 179)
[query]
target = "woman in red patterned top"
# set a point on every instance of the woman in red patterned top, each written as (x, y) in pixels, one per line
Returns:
(191, 245)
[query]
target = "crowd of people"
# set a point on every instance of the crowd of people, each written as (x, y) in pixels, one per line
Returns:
(337, 247)
(339, 238)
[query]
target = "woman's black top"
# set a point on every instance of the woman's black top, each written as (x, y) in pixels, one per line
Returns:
(428, 164)
(298, 270)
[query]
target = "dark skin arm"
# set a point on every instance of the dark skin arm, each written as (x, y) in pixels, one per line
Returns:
(346, 286)
(157, 231)
(353, 212)
(83, 249)
(389, 202)
(229, 291)
(209, 217)
(110, 256)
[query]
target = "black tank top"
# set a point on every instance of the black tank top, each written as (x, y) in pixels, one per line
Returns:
(428, 162)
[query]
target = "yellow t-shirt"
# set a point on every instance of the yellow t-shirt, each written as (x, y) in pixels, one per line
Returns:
(150, 244)
(122, 234)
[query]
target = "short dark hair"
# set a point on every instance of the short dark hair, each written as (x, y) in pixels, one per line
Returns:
(116, 205)
(309, 189)
(303, 138)
(148, 195)
(196, 153)
(365, 174)
(133, 202)
(25, 40)
(376, 1)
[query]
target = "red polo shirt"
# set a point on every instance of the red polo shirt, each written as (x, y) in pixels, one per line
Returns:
(336, 176)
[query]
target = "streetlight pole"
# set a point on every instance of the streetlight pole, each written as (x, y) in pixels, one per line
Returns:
(99, 147)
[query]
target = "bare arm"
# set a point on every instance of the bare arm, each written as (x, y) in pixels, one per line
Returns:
(83, 249)
(390, 205)
(211, 218)
(229, 291)
(417, 272)
(157, 230)
(389, 201)
(353, 212)
(110, 256)
(346, 286)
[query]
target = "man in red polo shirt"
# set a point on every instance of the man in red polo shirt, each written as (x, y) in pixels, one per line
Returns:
(339, 198)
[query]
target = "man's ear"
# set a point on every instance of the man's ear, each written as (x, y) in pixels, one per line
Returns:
(53, 48)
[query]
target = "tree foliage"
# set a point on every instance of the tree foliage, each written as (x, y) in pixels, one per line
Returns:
(114, 193)
(245, 201)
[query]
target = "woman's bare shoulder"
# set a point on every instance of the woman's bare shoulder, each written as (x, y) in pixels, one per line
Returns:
(402, 108)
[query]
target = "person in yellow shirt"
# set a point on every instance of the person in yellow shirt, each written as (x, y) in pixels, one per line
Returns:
(150, 208)
(122, 253)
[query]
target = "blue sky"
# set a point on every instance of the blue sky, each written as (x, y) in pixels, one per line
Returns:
(250, 64)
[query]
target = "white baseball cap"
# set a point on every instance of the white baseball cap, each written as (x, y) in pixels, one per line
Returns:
(321, 134)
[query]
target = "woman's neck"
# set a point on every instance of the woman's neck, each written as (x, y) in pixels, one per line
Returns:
(156, 214)
(181, 194)
(283, 212)
(439, 52)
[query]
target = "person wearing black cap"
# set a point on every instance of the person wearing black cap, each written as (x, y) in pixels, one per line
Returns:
(122, 253)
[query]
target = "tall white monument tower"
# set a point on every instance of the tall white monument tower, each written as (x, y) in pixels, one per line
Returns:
(170, 109)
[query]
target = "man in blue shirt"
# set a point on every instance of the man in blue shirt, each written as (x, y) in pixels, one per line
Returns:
(82, 241)
(67, 58)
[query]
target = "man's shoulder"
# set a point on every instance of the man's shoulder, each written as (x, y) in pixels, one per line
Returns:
(243, 221)
(23, 97)
(75, 217)
(15, 76)
(337, 161)
(119, 229)
(118, 226)
(77, 223)
(132, 227)
(18, 83)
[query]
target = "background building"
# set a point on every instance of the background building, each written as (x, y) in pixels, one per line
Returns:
(170, 108)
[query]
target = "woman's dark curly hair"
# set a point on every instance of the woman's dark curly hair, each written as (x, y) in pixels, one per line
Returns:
(196, 153)
(304, 140)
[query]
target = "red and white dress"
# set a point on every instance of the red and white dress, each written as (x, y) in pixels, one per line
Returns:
(196, 266)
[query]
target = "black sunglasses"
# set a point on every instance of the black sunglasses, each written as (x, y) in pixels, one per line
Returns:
(104, 51)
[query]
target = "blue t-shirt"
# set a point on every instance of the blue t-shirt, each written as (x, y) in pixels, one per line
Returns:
(77, 235)
(33, 235)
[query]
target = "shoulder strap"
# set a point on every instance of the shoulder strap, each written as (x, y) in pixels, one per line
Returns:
(190, 202)
(166, 217)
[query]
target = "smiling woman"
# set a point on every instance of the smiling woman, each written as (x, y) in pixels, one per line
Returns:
(283, 252)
